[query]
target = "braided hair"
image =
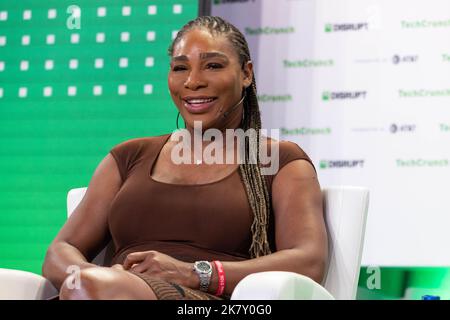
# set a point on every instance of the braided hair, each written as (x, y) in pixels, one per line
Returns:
(255, 184)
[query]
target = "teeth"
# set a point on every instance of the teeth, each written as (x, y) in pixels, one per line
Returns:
(199, 101)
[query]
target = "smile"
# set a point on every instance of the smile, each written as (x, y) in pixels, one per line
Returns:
(199, 104)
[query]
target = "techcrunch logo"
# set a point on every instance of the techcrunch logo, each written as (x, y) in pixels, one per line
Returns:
(422, 163)
(306, 131)
(423, 93)
(330, 27)
(331, 164)
(308, 63)
(446, 57)
(343, 95)
(231, 1)
(268, 30)
(424, 24)
(274, 98)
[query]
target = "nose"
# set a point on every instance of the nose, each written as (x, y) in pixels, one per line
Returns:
(194, 81)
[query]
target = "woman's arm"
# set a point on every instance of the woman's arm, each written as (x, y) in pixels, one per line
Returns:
(86, 231)
(301, 238)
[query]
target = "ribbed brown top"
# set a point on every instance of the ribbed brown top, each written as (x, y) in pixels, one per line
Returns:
(189, 222)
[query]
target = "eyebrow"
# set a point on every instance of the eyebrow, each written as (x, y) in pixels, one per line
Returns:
(203, 56)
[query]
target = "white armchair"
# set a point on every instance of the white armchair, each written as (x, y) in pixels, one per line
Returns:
(345, 215)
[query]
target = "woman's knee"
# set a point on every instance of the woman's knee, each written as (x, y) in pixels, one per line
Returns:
(101, 283)
(90, 283)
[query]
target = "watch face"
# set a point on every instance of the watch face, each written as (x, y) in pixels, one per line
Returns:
(203, 266)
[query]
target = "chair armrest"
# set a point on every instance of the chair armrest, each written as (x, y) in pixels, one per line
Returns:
(23, 285)
(279, 285)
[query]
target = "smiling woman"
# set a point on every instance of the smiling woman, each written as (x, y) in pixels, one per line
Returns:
(194, 230)
(206, 77)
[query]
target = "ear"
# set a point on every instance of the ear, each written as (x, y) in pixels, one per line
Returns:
(247, 72)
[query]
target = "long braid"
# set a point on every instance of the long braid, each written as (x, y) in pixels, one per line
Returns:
(251, 174)
(254, 183)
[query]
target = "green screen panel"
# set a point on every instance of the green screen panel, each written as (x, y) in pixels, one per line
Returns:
(67, 96)
(409, 283)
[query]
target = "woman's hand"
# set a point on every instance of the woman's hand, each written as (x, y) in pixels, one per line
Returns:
(162, 266)
(118, 267)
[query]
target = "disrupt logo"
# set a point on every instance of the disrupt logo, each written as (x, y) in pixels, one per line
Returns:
(231, 1)
(306, 131)
(268, 30)
(444, 127)
(343, 95)
(330, 27)
(330, 164)
(394, 128)
(396, 59)
(274, 98)
(422, 162)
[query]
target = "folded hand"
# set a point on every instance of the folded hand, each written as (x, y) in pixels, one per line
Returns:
(162, 266)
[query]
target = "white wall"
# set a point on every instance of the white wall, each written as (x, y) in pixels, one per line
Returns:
(392, 60)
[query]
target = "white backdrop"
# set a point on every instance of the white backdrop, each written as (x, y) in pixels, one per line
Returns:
(363, 86)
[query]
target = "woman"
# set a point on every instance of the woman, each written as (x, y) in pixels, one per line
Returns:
(170, 221)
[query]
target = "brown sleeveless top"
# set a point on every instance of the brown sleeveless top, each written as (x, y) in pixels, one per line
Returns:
(208, 221)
